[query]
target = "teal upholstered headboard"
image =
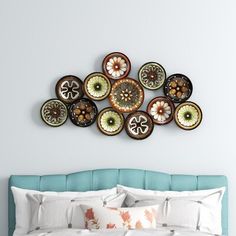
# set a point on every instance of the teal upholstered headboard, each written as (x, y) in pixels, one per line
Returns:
(108, 178)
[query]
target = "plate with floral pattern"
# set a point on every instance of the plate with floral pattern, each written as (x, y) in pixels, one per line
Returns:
(126, 95)
(54, 112)
(161, 109)
(97, 86)
(83, 112)
(178, 88)
(152, 75)
(69, 89)
(139, 125)
(110, 122)
(188, 115)
(116, 65)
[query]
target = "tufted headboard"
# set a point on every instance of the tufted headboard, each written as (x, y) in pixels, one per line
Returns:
(108, 178)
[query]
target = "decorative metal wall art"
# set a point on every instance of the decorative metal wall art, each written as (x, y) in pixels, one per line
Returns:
(116, 65)
(83, 112)
(97, 86)
(152, 75)
(188, 115)
(178, 88)
(69, 88)
(110, 122)
(161, 110)
(126, 95)
(54, 112)
(139, 125)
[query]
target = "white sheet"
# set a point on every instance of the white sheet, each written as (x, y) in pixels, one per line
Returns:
(77, 232)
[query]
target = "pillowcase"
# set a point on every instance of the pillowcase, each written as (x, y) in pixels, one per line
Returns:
(50, 212)
(120, 218)
(194, 210)
(22, 206)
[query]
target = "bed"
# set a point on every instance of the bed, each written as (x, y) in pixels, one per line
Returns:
(108, 178)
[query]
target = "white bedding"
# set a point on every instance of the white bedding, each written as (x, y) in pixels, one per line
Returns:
(77, 232)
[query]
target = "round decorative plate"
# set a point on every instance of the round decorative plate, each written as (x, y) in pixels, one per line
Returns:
(188, 115)
(126, 95)
(161, 109)
(116, 65)
(83, 112)
(152, 75)
(178, 88)
(54, 112)
(97, 86)
(110, 122)
(69, 88)
(139, 125)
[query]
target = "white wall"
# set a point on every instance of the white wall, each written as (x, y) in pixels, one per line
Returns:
(40, 41)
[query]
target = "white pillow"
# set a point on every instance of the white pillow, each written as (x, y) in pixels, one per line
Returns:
(51, 212)
(194, 210)
(120, 218)
(22, 206)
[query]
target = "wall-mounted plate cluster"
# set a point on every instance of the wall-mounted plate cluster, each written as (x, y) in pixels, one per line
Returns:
(126, 95)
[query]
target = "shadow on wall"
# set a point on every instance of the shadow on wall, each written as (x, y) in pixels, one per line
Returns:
(35, 113)
(4, 207)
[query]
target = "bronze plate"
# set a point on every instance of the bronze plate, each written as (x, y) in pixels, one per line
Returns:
(188, 115)
(161, 109)
(97, 86)
(69, 89)
(139, 125)
(83, 112)
(116, 65)
(152, 75)
(110, 122)
(126, 95)
(178, 88)
(54, 112)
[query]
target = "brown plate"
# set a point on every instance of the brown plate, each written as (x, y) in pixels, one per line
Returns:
(54, 112)
(178, 88)
(83, 112)
(161, 109)
(126, 95)
(97, 86)
(69, 89)
(188, 115)
(110, 122)
(116, 65)
(139, 125)
(152, 75)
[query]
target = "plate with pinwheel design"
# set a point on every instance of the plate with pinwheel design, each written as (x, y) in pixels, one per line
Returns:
(188, 115)
(139, 125)
(69, 89)
(110, 122)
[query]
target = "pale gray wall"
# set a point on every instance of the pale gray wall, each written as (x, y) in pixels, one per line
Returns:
(40, 41)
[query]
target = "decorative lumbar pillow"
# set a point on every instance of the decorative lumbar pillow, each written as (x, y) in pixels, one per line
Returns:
(49, 212)
(194, 210)
(22, 205)
(120, 218)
